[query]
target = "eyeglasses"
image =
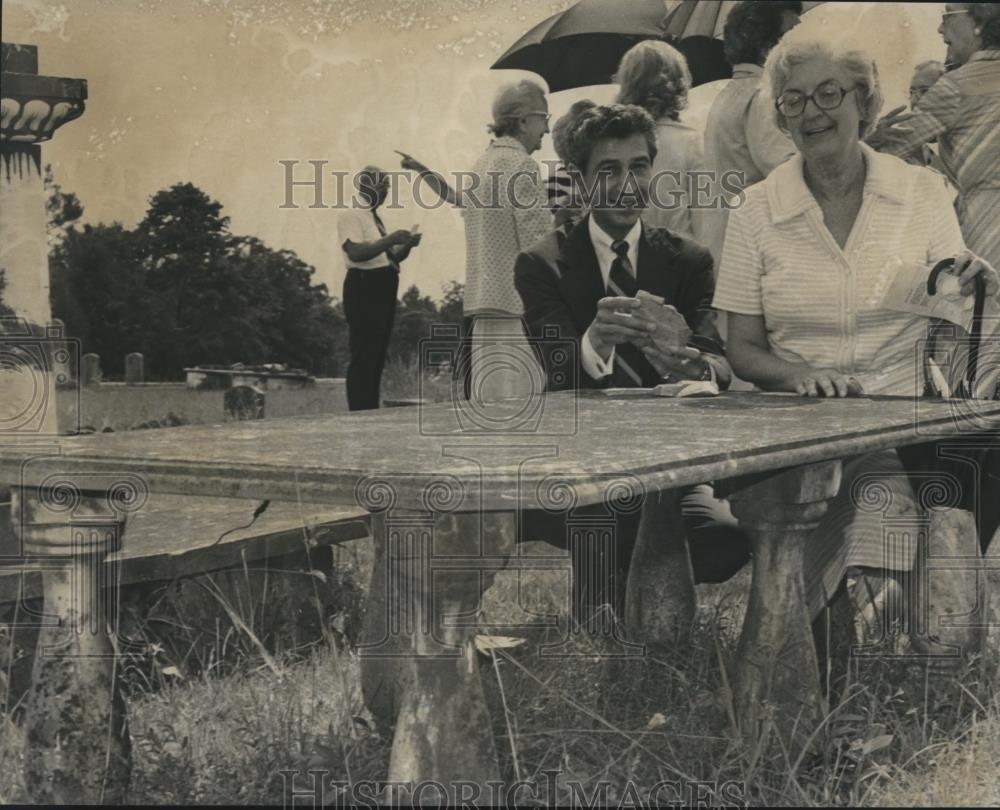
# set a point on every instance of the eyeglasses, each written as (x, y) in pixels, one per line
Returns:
(545, 115)
(946, 14)
(828, 96)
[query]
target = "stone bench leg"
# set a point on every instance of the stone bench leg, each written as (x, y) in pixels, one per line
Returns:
(78, 748)
(419, 663)
(776, 673)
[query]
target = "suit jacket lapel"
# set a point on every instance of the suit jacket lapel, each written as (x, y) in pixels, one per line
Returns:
(581, 282)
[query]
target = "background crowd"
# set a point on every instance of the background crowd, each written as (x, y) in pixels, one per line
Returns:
(812, 201)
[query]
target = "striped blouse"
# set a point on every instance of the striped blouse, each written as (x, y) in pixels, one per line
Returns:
(962, 111)
(820, 302)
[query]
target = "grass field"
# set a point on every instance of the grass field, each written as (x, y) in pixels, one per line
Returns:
(610, 727)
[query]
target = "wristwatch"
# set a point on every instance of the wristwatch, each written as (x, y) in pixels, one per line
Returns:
(706, 375)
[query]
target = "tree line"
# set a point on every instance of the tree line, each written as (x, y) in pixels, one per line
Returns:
(183, 290)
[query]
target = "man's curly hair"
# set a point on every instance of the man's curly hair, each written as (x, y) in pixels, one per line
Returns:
(608, 121)
(752, 28)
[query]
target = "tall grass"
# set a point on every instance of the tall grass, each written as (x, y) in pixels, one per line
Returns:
(898, 734)
(407, 378)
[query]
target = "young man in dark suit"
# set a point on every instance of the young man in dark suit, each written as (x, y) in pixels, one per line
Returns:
(583, 279)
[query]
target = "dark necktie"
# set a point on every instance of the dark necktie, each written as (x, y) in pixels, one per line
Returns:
(381, 229)
(631, 366)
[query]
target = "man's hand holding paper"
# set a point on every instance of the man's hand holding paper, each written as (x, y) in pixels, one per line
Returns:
(619, 320)
(658, 329)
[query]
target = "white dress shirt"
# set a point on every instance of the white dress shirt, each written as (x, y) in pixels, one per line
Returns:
(357, 225)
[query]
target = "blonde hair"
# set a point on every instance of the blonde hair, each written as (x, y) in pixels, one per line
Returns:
(655, 76)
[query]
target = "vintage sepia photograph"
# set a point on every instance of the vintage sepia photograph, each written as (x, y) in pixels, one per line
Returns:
(584, 403)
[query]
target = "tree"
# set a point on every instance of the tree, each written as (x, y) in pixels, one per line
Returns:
(291, 318)
(416, 315)
(63, 209)
(453, 303)
(183, 242)
(183, 290)
(5, 311)
(97, 290)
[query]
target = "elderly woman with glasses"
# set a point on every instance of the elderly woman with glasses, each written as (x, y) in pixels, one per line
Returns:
(806, 258)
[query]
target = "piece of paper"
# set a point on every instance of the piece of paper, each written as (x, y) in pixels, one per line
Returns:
(907, 292)
(686, 388)
(672, 331)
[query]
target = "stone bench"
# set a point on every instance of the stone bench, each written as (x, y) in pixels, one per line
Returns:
(175, 536)
(170, 541)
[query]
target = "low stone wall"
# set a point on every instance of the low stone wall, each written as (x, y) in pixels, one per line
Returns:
(121, 407)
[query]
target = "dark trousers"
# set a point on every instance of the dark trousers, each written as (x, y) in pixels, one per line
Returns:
(602, 553)
(369, 307)
(972, 464)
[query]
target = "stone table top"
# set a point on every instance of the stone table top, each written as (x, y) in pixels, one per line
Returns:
(447, 457)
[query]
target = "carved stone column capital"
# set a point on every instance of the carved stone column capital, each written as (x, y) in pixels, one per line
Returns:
(33, 107)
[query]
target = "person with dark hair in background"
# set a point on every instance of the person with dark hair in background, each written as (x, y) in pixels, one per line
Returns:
(740, 133)
(584, 280)
(566, 208)
(373, 257)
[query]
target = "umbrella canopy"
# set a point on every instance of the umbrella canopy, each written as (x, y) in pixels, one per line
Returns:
(698, 18)
(695, 28)
(705, 18)
(706, 59)
(584, 44)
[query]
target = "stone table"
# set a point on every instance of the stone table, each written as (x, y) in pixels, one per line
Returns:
(446, 485)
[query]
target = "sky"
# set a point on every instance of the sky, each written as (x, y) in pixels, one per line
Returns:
(217, 92)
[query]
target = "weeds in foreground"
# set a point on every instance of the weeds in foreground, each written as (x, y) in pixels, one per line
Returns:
(590, 726)
(405, 378)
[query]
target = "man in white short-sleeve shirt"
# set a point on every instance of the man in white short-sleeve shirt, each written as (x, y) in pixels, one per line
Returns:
(372, 256)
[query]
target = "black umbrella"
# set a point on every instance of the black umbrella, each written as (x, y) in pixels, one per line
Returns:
(694, 27)
(584, 44)
(698, 18)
